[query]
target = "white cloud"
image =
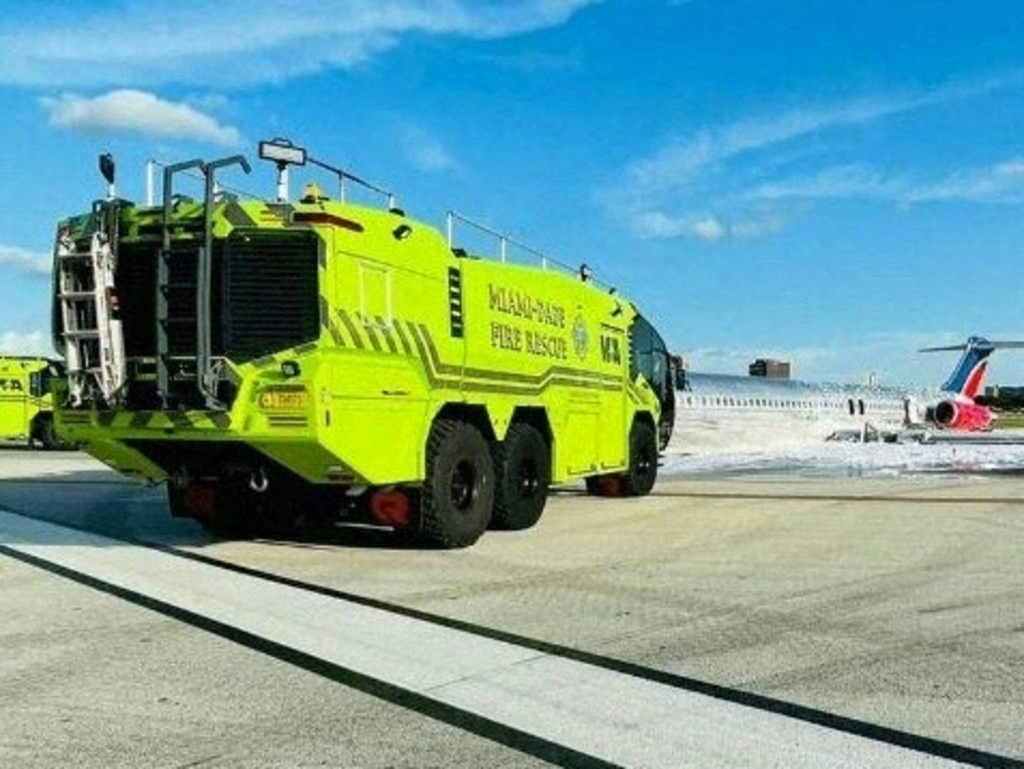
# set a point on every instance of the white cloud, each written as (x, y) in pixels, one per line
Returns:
(139, 112)
(709, 228)
(27, 343)
(682, 160)
(756, 175)
(846, 181)
(658, 224)
(232, 42)
(424, 151)
(758, 226)
(999, 183)
(25, 261)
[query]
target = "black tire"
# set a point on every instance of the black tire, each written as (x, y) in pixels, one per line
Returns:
(44, 432)
(522, 463)
(233, 518)
(458, 491)
(643, 460)
(224, 518)
(224, 525)
(176, 502)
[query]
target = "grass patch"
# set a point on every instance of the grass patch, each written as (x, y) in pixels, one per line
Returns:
(1010, 419)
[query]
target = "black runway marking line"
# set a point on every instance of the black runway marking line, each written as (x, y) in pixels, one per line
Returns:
(471, 722)
(518, 740)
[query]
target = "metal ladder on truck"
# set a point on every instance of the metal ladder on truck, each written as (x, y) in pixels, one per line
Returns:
(92, 335)
(173, 265)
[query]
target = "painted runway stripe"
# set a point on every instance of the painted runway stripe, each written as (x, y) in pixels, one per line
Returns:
(958, 753)
(564, 710)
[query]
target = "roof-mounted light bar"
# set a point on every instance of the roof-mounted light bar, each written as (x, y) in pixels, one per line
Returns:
(283, 152)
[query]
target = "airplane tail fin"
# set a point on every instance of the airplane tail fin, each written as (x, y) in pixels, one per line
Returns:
(969, 375)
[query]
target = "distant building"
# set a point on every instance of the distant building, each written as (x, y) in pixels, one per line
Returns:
(1003, 396)
(681, 367)
(1004, 391)
(770, 368)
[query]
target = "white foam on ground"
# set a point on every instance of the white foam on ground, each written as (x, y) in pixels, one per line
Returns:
(772, 445)
(849, 459)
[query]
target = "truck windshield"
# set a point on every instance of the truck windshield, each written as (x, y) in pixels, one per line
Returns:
(650, 358)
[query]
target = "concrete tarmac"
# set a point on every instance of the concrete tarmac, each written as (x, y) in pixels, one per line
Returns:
(896, 602)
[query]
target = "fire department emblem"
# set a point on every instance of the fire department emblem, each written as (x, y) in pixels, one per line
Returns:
(580, 337)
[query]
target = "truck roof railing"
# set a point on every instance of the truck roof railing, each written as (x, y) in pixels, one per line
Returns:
(152, 164)
(390, 199)
(505, 243)
(285, 154)
(343, 176)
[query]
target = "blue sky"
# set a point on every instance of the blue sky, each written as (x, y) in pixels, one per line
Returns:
(834, 183)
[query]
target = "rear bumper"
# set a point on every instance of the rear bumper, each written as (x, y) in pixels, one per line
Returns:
(154, 445)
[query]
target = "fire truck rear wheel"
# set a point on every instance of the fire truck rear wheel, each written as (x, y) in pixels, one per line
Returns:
(238, 512)
(176, 502)
(227, 519)
(458, 492)
(643, 460)
(523, 466)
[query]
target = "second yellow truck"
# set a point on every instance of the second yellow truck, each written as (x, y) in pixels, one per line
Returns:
(26, 403)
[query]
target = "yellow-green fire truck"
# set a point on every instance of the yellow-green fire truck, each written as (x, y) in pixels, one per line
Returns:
(26, 403)
(309, 359)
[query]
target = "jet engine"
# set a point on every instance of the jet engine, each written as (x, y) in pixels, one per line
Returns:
(962, 416)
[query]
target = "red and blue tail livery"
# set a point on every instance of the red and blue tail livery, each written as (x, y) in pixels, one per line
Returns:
(959, 411)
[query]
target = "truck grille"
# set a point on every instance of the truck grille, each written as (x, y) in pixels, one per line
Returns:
(270, 293)
(264, 298)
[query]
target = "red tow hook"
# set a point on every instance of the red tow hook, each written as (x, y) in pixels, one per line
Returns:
(200, 499)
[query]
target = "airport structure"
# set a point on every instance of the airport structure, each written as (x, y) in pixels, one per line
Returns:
(1005, 396)
(271, 359)
(770, 368)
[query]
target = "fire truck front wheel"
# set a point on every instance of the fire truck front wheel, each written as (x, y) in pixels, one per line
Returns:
(42, 431)
(643, 460)
(523, 465)
(458, 491)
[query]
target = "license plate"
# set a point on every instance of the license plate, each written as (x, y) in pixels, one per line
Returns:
(284, 400)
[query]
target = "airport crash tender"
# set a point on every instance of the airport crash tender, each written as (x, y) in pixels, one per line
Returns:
(275, 361)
